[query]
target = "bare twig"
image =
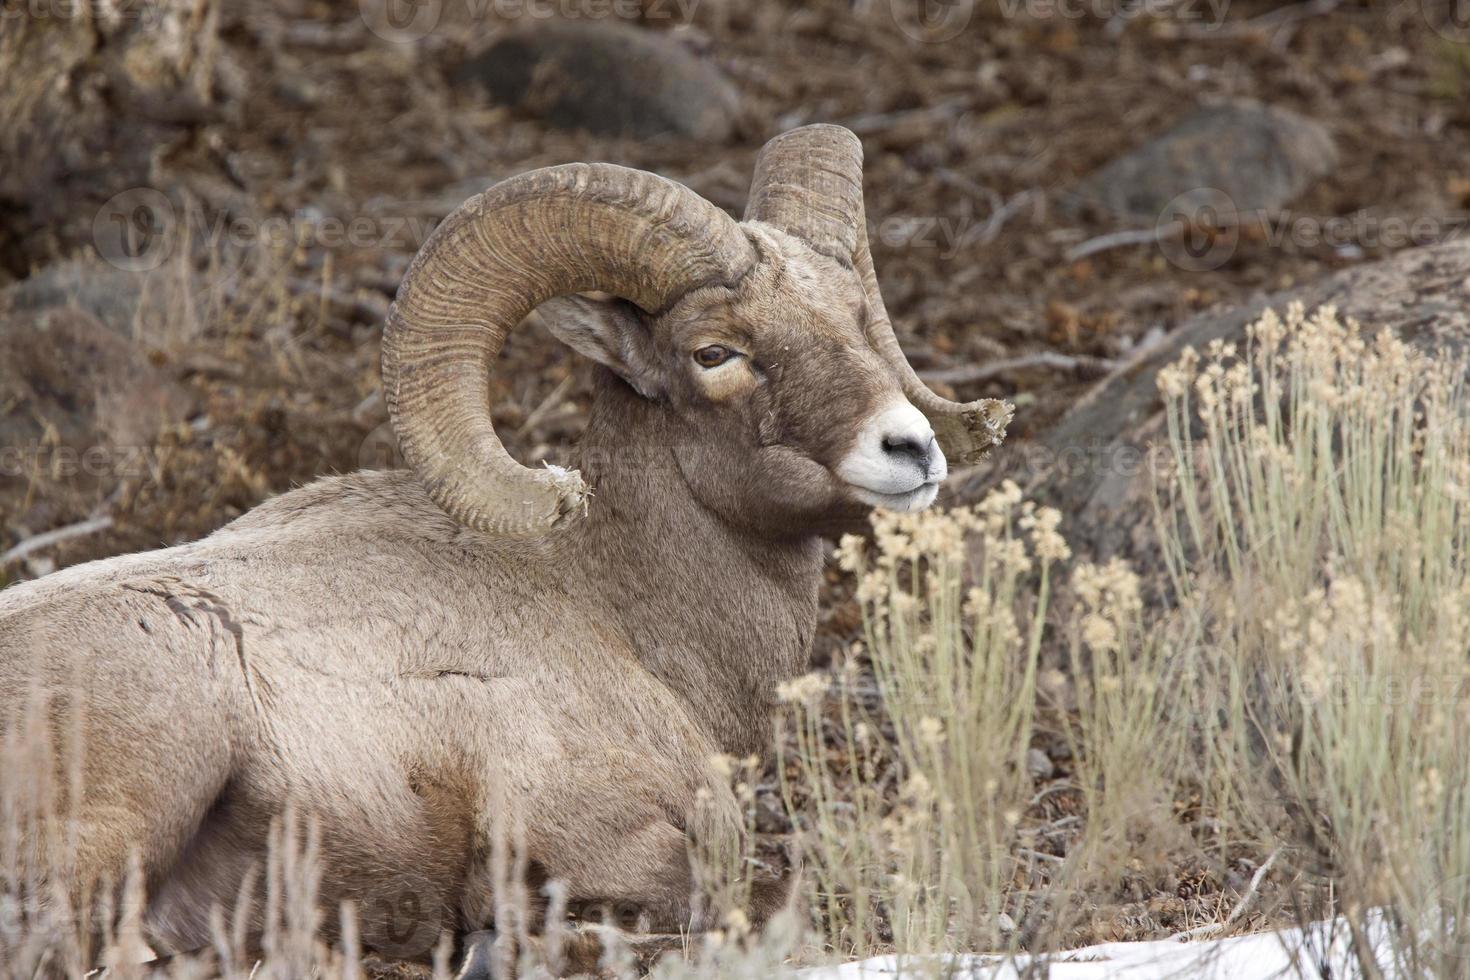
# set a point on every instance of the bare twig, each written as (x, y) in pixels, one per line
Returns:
(345, 36)
(367, 410)
(978, 191)
(1116, 239)
(56, 536)
(548, 404)
(1003, 214)
(1082, 364)
(1060, 786)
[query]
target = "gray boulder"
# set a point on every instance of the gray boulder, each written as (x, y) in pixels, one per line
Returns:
(1260, 157)
(1093, 465)
(104, 291)
(607, 79)
(82, 402)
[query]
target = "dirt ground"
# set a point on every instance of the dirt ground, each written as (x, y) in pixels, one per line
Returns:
(308, 117)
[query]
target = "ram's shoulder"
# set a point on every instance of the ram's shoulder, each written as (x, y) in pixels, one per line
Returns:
(365, 523)
(389, 502)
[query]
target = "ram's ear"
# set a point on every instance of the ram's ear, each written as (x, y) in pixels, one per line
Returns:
(613, 332)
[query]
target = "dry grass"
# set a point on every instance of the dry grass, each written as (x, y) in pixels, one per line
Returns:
(1297, 695)
(1319, 534)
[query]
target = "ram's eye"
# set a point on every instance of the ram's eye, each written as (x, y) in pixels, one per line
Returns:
(712, 355)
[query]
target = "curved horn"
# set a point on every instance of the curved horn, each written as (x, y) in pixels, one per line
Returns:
(809, 183)
(549, 232)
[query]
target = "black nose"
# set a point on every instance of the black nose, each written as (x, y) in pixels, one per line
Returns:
(910, 449)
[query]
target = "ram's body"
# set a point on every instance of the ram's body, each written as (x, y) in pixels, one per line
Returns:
(422, 663)
(349, 646)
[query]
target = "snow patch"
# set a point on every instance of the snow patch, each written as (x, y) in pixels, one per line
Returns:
(1323, 949)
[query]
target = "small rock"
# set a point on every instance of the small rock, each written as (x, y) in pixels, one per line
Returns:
(1039, 765)
(608, 79)
(1259, 156)
(106, 292)
(82, 403)
(68, 379)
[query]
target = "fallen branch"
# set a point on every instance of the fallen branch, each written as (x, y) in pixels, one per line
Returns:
(548, 404)
(1002, 214)
(56, 536)
(1217, 927)
(1083, 364)
(1116, 239)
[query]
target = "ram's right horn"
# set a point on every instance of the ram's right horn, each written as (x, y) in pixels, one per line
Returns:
(809, 182)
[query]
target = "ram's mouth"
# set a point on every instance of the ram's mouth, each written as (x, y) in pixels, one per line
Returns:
(907, 502)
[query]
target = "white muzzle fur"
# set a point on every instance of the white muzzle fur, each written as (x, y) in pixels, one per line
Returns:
(896, 462)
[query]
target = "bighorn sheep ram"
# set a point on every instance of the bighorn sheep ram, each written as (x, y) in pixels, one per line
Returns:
(404, 655)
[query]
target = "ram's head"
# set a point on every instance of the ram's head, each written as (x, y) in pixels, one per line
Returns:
(766, 342)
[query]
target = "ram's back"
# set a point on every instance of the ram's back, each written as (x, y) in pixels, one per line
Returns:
(341, 636)
(359, 575)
